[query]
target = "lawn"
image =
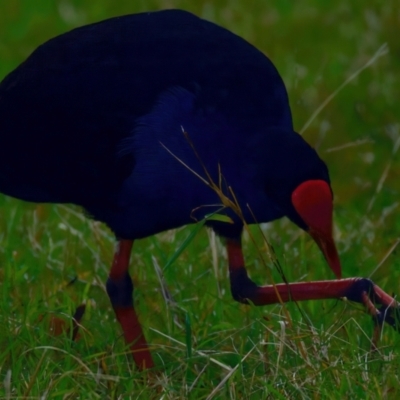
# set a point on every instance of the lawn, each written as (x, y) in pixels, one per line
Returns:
(205, 345)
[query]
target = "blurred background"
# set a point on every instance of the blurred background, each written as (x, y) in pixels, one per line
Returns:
(316, 46)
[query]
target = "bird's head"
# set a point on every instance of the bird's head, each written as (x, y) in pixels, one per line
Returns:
(298, 183)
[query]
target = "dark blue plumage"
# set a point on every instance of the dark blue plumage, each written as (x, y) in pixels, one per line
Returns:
(81, 121)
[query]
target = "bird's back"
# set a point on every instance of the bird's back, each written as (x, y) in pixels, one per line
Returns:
(65, 111)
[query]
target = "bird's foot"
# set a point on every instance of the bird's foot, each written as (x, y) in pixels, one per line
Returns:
(381, 306)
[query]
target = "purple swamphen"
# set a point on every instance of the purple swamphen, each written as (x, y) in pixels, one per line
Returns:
(95, 117)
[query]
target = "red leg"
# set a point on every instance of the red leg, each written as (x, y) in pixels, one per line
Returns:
(120, 290)
(355, 289)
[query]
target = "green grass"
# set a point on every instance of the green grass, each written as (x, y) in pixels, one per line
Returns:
(205, 345)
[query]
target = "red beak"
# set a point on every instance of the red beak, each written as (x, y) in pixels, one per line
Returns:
(328, 248)
(313, 202)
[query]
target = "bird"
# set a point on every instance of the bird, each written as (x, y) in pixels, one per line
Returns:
(156, 120)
